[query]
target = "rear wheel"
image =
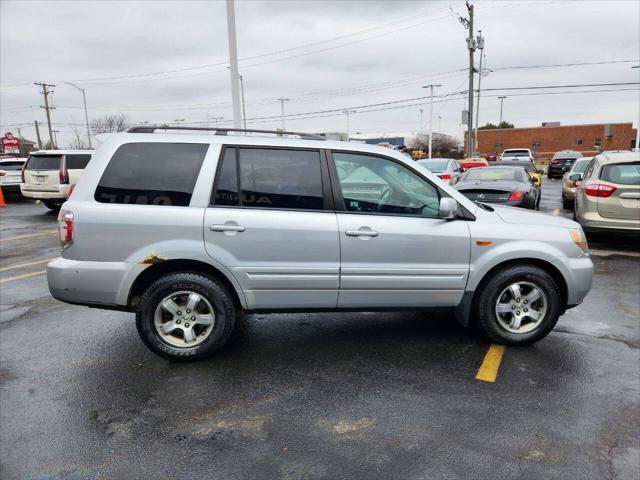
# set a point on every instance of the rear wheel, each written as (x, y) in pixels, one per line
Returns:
(185, 316)
(518, 305)
(52, 205)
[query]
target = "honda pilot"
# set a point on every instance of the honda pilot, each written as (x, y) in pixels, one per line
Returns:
(190, 228)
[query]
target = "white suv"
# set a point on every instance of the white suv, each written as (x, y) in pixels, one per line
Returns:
(189, 229)
(49, 175)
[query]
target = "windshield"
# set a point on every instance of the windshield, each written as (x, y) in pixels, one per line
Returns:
(434, 166)
(581, 166)
(43, 162)
(494, 174)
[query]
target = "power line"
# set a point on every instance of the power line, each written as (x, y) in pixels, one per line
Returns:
(565, 86)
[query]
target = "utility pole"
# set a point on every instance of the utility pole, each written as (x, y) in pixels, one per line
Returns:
(46, 92)
(86, 115)
(638, 125)
(431, 87)
(471, 45)
(420, 129)
(35, 122)
(282, 100)
(480, 44)
(244, 112)
(233, 60)
(347, 113)
(501, 102)
(55, 138)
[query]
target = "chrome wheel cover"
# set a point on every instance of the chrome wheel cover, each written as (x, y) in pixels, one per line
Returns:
(521, 307)
(184, 319)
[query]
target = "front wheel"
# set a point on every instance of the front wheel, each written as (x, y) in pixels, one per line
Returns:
(185, 316)
(519, 305)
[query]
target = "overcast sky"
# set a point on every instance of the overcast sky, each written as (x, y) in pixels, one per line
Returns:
(161, 61)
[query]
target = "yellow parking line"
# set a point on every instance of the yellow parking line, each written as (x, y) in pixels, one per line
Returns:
(556, 212)
(488, 371)
(48, 232)
(20, 277)
(37, 262)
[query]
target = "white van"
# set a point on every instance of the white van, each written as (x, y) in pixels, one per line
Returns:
(49, 175)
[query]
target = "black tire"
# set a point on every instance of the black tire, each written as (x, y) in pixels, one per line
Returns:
(209, 288)
(567, 204)
(52, 205)
(487, 297)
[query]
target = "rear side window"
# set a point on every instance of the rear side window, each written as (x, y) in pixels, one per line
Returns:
(77, 161)
(271, 178)
(44, 162)
(152, 174)
(622, 173)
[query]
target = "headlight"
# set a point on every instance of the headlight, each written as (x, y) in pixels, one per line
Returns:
(579, 239)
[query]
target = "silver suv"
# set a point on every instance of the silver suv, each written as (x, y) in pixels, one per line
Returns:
(189, 229)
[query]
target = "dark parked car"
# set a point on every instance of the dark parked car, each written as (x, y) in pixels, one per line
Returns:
(562, 163)
(503, 185)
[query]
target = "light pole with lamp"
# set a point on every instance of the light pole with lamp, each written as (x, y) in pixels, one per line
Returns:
(431, 87)
(86, 115)
(501, 101)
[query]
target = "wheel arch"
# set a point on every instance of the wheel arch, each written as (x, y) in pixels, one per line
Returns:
(464, 311)
(156, 270)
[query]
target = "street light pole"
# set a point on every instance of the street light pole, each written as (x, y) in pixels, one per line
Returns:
(233, 61)
(501, 101)
(420, 129)
(347, 112)
(86, 115)
(480, 43)
(282, 100)
(431, 87)
(244, 112)
(638, 125)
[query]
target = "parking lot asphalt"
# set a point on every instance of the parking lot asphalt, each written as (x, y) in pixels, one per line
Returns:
(314, 396)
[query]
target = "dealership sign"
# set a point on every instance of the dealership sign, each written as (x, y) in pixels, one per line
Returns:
(10, 144)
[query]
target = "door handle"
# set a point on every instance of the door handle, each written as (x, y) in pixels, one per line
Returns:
(227, 228)
(361, 233)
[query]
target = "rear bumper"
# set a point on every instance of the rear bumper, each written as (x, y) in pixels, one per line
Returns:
(53, 192)
(594, 222)
(105, 284)
(578, 273)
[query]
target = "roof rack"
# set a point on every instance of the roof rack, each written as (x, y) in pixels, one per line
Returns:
(223, 131)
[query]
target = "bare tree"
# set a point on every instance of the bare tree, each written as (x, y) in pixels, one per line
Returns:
(109, 124)
(79, 140)
(442, 146)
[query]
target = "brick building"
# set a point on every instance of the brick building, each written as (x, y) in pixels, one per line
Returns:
(553, 137)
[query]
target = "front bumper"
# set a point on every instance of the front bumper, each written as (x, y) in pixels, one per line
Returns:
(92, 283)
(578, 273)
(54, 192)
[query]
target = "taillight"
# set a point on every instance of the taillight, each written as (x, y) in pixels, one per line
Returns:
(445, 176)
(576, 183)
(2, 173)
(515, 196)
(599, 190)
(64, 174)
(555, 161)
(65, 228)
(70, 191)
(22, 172)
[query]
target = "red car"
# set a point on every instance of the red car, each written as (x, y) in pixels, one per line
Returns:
(468, 163)
(491, 157)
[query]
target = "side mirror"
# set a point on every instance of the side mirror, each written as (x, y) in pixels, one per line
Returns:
(576, 177)
(448, 208)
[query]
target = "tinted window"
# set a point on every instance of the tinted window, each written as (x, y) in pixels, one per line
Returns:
(152, 174)
(281, 178)
(622, 173)
(11, 166)
(227, 187)
(77, 161)
(377, 185)
(44, 162)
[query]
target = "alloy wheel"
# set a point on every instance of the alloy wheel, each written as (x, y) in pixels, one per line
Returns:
(521, 307)
(184, 319)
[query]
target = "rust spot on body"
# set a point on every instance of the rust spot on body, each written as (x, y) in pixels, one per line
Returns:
(152, 259)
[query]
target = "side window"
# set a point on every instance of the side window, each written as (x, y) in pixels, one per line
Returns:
(377, 185)
(271, 178)
(227, 186)
(77, 161)
(152, 174)
(589, 170)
